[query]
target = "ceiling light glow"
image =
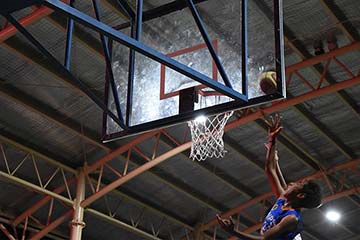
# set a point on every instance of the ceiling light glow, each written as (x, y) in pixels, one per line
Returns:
(333, 216)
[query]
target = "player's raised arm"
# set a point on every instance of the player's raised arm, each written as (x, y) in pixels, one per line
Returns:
(278, 171)
(272, 168)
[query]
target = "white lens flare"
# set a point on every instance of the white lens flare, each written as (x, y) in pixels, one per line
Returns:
(333, 216)
(200, 119)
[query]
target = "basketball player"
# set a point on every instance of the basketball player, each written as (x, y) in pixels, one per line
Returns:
(283, 222)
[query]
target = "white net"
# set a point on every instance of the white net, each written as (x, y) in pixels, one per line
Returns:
(207, 136)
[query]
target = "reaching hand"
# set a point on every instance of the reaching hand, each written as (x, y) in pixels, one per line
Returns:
(274, 125)
(226, 224)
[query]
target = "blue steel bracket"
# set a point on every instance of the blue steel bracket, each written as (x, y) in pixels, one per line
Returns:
(108, 62)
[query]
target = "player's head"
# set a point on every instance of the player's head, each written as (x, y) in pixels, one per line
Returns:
(304, 194)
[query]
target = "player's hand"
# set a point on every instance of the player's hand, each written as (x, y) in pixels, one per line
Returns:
(274, 126)
(226, 223)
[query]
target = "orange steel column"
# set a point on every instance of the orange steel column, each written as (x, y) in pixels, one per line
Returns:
(77, 224)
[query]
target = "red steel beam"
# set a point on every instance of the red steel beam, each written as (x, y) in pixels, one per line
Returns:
(40, 203)
(315, 60)
(119, 151)
(134, 173)
(52, 226)
(294, 101)
(258, 199)
(27, 20)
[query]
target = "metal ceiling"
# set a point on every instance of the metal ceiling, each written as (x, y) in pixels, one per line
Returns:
(50, 133)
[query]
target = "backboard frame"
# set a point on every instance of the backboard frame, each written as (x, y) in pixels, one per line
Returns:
(240, 100)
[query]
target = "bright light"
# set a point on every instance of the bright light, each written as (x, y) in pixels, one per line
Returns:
(200, 119)
(333, 216)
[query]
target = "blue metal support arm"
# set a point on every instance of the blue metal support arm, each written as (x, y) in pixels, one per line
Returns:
(136, 30)
(207, 40)
(143, 49)
(244, 54)
(108, 64)
(69, 37)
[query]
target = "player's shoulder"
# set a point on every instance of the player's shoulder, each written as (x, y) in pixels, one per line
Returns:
(290, 219)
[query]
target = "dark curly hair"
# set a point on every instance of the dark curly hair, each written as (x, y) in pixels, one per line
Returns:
(312, 193)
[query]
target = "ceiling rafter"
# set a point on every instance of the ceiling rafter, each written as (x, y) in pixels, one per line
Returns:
(33, 227)
(52, 161)
(93, 212)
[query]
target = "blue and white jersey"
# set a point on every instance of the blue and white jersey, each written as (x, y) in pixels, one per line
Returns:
(276, 214)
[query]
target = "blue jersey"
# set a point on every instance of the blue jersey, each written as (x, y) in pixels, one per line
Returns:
(278, 212)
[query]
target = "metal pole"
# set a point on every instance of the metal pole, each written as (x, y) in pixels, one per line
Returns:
(135, 33)
(244, 54)
(77, 224)
(279, 46)
(69, 37)
(108, 65)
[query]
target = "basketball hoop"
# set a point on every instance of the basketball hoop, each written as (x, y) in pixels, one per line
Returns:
(206, 136)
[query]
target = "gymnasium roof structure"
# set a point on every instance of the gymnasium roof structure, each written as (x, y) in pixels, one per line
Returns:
(145, 186)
